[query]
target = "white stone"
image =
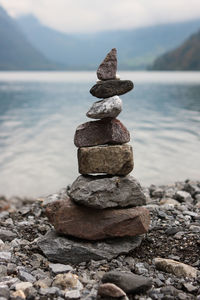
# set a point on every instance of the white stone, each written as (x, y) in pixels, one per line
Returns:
(5, 256)
(60, 268)
(106, 108)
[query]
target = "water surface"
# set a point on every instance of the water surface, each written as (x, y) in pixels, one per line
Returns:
(39, 113)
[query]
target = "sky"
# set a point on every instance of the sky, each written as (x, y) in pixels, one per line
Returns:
(78, 16)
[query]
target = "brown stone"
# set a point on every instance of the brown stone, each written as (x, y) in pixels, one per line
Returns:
(75, 220)
(108, 68)
(110, 290)
(105, 131)
(109, 88)
(113, 160)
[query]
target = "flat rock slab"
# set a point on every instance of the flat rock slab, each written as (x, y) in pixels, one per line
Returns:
(67, 250)
(107, 108)
(108, 67)
(105, 131)
(82, 222)
(109, 88)
(130, 283)
(102, 191)
(113, 160)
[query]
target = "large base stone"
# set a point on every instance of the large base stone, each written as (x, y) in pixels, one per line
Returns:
(102, 191)
(105, 131)
(113, 160)
(68, 250)
(94, 224)
(109, 88)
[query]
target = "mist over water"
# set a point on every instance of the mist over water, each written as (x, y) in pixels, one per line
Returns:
(39, 113)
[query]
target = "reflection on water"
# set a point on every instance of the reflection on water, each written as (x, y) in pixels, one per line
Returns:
(39, 113)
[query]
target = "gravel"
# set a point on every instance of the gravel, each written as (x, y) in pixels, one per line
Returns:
(174, 234)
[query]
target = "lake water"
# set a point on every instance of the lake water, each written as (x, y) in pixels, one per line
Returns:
(39, 113)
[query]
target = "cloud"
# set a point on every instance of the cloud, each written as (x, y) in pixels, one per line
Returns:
(98, 15)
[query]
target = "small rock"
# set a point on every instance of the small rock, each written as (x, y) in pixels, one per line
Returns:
(23, 286)
(105, 131)
(51, 291)
(169, 201)
(67, 281)
(177, 268)
(60, 268)
(128, 282)
(190, 288)
(3, 271)
(140, 269)
(96, 224)
(113, 160)
(7, 235)
(43, 283)
(5, 256)
(102, 192)
(74, 294)
(107, 108)
(183, 196)
(25, 276)
(195, 229)
(4, 291)
(66, 250)
(110, 88)
(108, 68)
(179, 235)
(110, 290)
(19, 294)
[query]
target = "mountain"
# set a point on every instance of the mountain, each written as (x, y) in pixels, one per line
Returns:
(185, 57)
(137, 48)
(16, 52)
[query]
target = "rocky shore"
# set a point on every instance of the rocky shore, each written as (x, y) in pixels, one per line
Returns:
(165, 263)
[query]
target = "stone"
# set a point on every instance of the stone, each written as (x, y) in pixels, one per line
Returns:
(177, 268)
(183, 196)
(68, 250)
(5, 256)
(190, 288)
(105, 131)
(3, 271)
(23, 286)
(169, 201)
(7, 235)
(19, 295)
(51, 291)
(102, 192)
(106, 89)
(67, 281)
(107, 108)
(60, 268)
(82, 222)
(130, 283)
(110, 290)
(113, 160)
(108, 68)
(25, 276)
(73, 294)
(4, 291)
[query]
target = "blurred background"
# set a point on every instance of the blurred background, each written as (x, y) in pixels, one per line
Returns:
(49, 53)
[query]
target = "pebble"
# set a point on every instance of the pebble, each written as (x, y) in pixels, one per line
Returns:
(5, 256)
(110, 88)
(7, 235)
(60, 268)
(110, 290)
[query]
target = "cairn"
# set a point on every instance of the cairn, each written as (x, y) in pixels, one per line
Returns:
(104, 201)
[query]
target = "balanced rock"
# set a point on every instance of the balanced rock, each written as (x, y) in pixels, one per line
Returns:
(109, 88)
(67, 250)
(105, 131)
(107, 108)
(113, 160)
(71, 219)
(108, 67)
(130, 283)
(102, 192)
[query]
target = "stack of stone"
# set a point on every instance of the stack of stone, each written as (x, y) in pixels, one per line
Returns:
(104, 202)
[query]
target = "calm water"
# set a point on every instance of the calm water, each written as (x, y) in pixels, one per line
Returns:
(39, 113)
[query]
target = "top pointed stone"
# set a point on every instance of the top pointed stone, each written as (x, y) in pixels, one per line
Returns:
(108, 68)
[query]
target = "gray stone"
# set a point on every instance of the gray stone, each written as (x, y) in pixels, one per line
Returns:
(23, 286)
(107, 108)
(50, 291)
(4, 291)
(60, 268)
(130, 283)
(7, 235)
(5, 256)
(183, 196)
(108, 68)
(109, 88)
(3, 271)
(74, 294)
(102, 192)
(68, 250)
(25, 276)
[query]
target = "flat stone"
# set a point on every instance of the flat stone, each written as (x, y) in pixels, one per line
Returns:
(71, 219)
(25, 276)
(107, 108)
(102, 191)
(106, 89)
(5, 256)
(60, 268)
(69, 250)
(18, 295)
(183, 196)
(177, 268)
(73, 294)
(130, 283)
(113, 160)
(23, 286)
(110, 290)
(67, 281)
(105, 131)
(4, 291)
(108, 67)
(7, 235)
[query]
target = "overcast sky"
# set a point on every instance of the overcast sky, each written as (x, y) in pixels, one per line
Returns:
(97, 15)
